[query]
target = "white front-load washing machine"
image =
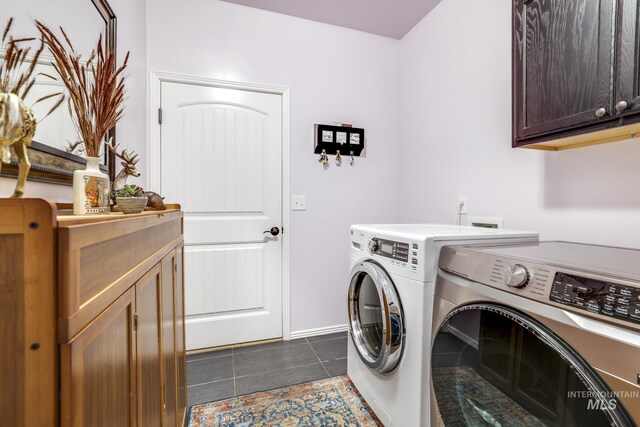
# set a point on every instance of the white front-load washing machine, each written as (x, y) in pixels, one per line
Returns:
(393, 270)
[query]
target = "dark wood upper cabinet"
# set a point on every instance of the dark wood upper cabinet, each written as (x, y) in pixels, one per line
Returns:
(575, 72)
(628, 63)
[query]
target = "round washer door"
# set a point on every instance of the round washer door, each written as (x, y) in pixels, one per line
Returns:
(494, 365)
(376, 321)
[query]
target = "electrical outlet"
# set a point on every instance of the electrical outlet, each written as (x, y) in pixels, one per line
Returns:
(463, 207)
(299, 203)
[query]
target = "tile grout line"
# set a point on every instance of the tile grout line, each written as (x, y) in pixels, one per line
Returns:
(278, 370)
(327, 339)
(256, 350)
(233, 372)
(208, 358)
(209, 382)
(321, 364)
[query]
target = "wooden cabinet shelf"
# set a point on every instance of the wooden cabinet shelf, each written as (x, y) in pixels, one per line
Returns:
(91, 317)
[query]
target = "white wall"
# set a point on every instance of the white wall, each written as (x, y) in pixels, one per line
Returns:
(455, 92)
(334, 74)
(55, 193)
(131, 129)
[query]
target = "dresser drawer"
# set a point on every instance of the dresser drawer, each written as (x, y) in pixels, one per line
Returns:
(97, 262)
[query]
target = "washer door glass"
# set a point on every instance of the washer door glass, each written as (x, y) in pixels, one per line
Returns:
(376, 321)
(492, 365)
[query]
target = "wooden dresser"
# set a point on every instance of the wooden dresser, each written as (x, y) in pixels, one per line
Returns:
(91, 317)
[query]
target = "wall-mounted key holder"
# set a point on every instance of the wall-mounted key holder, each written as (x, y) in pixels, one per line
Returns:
(332, 139)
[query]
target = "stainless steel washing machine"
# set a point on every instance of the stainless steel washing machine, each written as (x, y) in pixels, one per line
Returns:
(537, 334)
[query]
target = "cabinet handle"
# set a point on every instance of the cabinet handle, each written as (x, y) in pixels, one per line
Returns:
(601, 112)
(621, 106)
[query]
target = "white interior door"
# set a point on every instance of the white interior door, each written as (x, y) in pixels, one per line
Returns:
(221, 159)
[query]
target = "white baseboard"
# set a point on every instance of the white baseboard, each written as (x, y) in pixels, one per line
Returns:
(319, 331)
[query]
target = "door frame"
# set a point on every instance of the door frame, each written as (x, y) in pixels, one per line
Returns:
(153, 155)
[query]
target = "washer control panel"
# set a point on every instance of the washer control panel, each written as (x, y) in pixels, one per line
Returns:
(390, 249)
(596, 296)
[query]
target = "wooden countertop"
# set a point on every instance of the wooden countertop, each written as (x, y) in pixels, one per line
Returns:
(66, 217)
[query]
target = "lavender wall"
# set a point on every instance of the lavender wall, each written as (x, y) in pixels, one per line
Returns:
(334, 74)
(455, 92)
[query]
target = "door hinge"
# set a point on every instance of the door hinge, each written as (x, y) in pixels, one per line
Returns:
(135, 321)
(159, 115)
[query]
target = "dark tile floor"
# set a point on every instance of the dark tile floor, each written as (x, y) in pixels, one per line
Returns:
(235, 371)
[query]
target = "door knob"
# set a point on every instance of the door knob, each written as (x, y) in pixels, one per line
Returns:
(622, 105)
(274, 231)
(601, 112)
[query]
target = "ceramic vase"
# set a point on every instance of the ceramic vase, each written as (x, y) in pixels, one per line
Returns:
(90, 189)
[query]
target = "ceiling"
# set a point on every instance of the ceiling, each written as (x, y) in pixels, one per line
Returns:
(390, 18)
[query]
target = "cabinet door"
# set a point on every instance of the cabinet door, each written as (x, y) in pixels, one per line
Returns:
(169, 353)
(98, 370)
(149, 340)
(562, 65)
(173, 338)
(180, 335)
(627, 99)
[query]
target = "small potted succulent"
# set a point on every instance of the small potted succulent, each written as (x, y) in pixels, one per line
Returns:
(130, 199)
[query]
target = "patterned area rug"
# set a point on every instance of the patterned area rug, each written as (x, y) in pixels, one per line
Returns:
(466, 399)
(329, 402)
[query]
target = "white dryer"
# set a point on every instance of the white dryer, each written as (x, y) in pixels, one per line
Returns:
(393, 270)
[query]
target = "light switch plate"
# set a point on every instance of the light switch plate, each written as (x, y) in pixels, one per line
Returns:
(299, 203)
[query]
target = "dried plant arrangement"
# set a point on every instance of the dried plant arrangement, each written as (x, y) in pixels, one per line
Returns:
(95, 86)
(17, 67)
(17, 120)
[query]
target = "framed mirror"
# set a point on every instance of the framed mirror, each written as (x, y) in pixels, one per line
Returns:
(51, 155)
